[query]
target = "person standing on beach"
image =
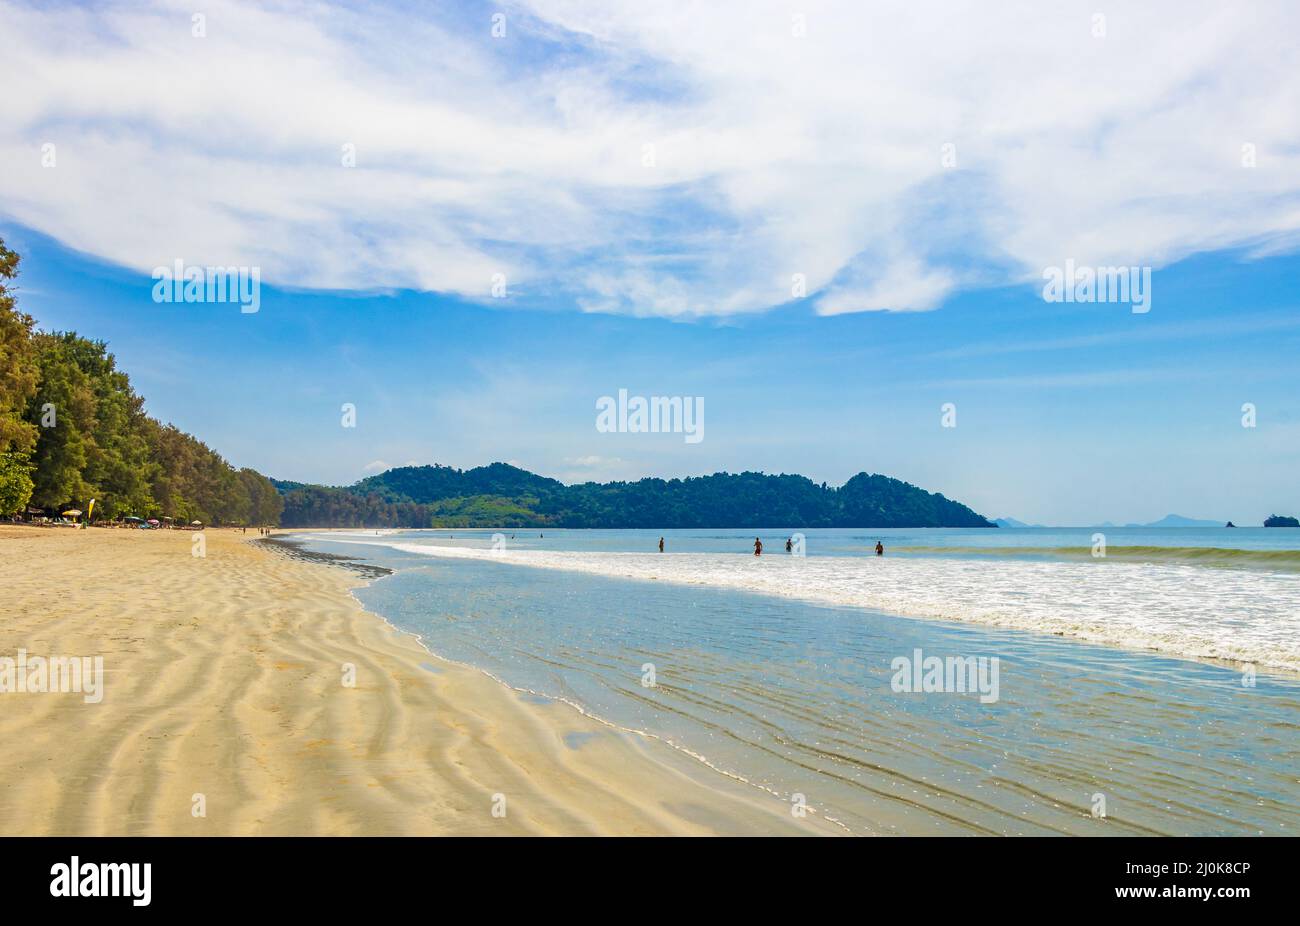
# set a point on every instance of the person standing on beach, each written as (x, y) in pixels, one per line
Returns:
(758, 547)
(661, 544)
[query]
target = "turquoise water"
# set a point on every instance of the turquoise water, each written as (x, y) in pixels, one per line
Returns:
(897, 541)
(796, 697)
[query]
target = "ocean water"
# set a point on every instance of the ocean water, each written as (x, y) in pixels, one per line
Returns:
(1006, 542)
(779, 670)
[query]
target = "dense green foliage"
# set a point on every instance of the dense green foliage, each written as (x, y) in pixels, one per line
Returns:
(19, 374)
(15, 481)
(506, 496)
(73, 429)
(18, 368)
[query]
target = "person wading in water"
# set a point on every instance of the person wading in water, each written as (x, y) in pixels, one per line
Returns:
(880, 549)
(661, 544)
(758, 547)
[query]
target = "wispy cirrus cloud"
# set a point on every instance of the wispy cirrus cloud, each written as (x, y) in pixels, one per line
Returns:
(1217, 328)
(672, 158)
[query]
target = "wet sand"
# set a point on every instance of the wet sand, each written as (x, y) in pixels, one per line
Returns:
(224, 690)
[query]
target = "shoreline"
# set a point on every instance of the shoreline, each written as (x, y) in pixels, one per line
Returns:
(904, 587)
(707, 768)
(287, 546)
(873, 759)
(223, 686)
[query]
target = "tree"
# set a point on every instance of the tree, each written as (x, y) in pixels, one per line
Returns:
(72, 429)
(15, 483)
(65, 439)
(118, 465)
(265, 503)
(19, 372)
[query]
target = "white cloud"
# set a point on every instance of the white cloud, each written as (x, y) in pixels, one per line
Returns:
(903, 285)
(374, 466)
(773, 154)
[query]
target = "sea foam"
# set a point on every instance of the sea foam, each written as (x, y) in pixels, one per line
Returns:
(1240, 616)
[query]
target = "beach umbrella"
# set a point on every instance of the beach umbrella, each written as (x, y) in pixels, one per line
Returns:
(153, 521)
(72, 512)
(197, 523)
(131, 517)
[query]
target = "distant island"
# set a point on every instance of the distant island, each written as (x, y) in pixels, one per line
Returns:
(1277, 520)
(1012, 523)
(501, 495)
(1177, 520)
(73, 431)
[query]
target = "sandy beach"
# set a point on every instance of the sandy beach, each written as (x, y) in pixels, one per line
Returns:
(224, 690)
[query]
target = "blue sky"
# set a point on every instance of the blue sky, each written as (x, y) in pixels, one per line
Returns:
(649, 179)
(1065, 413)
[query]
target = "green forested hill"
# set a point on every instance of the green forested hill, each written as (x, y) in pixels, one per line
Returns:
(500, 495)
(437, 483)
(73, 429)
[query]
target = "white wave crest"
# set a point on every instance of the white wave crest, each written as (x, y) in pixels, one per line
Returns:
(1242, 616)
